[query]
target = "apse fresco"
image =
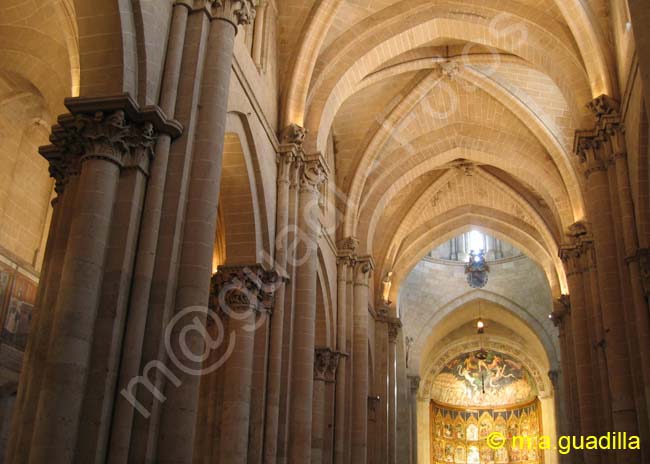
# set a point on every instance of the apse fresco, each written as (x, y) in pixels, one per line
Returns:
(498, 380)
(460, 436)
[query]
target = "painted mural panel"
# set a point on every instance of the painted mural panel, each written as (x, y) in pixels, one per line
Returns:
(498, 380)
(6, 277)
(18, 314)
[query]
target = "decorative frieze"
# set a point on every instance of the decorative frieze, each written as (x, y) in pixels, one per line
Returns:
(114, 129)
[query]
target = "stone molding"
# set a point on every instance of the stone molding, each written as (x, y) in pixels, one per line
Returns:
(111, 128)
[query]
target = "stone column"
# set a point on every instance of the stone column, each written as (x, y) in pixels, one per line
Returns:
(415, 388)
(147, 242)
(238, 291)
(259, 32)
(393, 332)
(38, 341)
(304, 328)
(99, 138)
(626, 212)
(287, 165)
(562, 319)
(360, 381)
(381, 432)
(321, 365)
(292, 134)
(403, 403)
(330, 392)
(640, 15)
(572, 257)
(347, 249)
(349, 285)
(178, 418)
(592, 297)
(593, 154)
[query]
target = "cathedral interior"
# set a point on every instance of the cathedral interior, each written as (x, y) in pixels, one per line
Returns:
(324, 231)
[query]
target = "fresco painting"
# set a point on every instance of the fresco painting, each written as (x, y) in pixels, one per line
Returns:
(498, 380)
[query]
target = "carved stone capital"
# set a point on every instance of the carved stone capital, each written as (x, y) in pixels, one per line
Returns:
(393, 330)
(602, 146)
(237, 289)
(561, 308)
(579, 254)
(293, 134)
(326, 363)
(364, 265)
(579, 229)
(591, 152)
(287, 163)
(236, 12)
(571, 257)
(348, 245)
(314, 173)
(383, 311)
(415, 384)
(373, 404)
(347, 249)
(642, 257)
(114, 129)
(603, 105)
(335, 360)
(554, 376)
